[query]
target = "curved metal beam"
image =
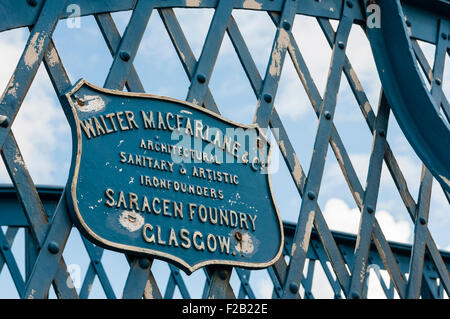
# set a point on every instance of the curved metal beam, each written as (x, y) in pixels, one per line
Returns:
(411, 102)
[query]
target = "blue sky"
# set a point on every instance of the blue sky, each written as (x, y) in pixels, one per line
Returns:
(44, 136)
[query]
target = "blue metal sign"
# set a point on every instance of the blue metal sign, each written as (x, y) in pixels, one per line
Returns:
(166, 178)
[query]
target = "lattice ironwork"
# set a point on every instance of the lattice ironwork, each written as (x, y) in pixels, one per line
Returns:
(420, 270)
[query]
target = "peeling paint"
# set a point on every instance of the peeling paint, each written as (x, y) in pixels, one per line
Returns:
(281, 44)
(297, 172)
(93, 103)
(33, 49)
(367, 107)
(252, 4)
(305, 242)
(294, 248)
(52, 57)
(186, 112)
(355, 80)
(245, 245)
(445, 179)
(195, 102)
(131, 220)
(12, 87)
(18, 159)
(193, 3)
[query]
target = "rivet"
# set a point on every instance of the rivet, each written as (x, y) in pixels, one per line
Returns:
(293, 287)
(80, 102)
(349, 4)
(422, 220)
(355, 294)
(408, 23)
(370, 209)
(438, 81)
(201, 78)
(382, 133)
(327, 115)
(32, 3)
(341, 45)
(96, 261)
(267, 97)
(223, 275)
(4, 121)
(311, 195)
(5, 247)
(124, 55)
(144, 263)
(53, 247)
(286, 25)
(444, 36)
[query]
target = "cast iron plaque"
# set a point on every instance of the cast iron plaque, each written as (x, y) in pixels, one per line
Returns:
(165, 178)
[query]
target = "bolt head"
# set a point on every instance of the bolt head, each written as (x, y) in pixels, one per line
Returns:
(125, 55)
(53, 247)
(32, 3)
(311, 195)
(267, 97)
(327, 115)
(293, 287)
(438, 81)
(341, 45)
(349, 4)
(422, 221)
(223, 275)
(144, 263)
(370, 209)
(201, 78)
(286, 25)
(355, 295)
(4, 121)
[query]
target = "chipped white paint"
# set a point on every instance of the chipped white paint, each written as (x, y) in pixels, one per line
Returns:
(245, 246)
(195, 102)
(18, 159)
(193, 3)
(131, 180)
(13, 86)
(281, 44)
(182, 56)
(252, 4)
(93, 103)
(33, 49)
(294, 248)
(186, 112)
(297, 172)
(52, 57)
(367, 107)
(445, 179)
(305, 242)
(131, 220)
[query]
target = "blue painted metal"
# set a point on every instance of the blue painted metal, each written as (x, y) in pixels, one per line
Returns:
(420, 270)
(415, 109)
(121, 166)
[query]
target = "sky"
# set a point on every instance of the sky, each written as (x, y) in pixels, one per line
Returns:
(44, 138)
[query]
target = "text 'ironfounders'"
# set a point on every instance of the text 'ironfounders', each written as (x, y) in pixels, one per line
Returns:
(164, 178)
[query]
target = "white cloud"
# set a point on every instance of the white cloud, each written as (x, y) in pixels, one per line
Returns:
(40, 126)
(341, 217)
